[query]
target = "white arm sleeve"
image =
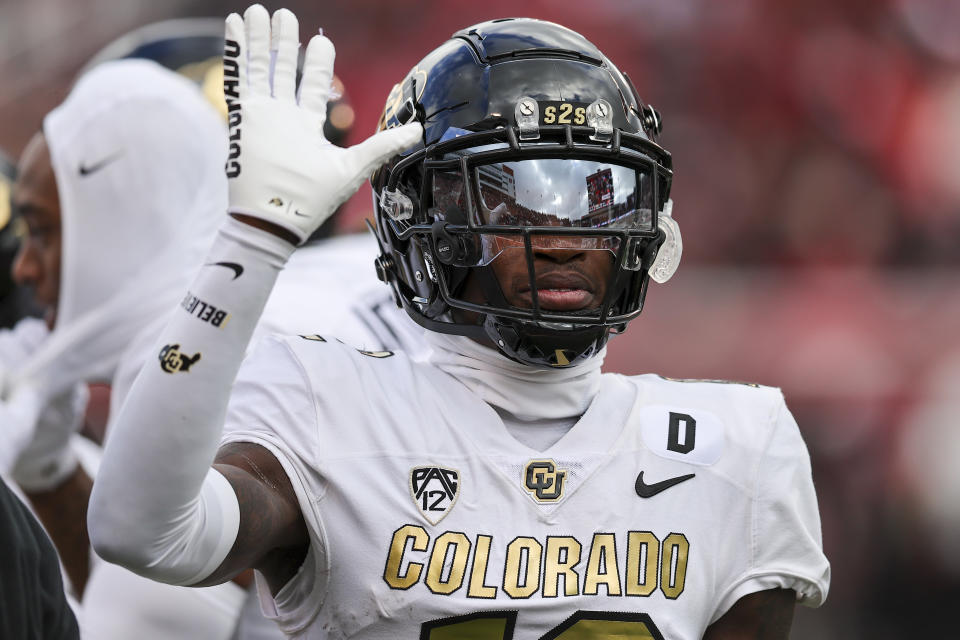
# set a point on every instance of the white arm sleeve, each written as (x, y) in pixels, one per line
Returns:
(157, 507)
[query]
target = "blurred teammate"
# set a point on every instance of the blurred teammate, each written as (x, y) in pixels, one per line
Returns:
(118, 192)
(118, 603)
(503, 487)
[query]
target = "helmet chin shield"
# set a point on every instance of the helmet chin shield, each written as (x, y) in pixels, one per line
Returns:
(528, 221)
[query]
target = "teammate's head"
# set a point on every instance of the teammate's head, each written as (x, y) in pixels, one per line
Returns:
(115, 181)
(532, 213)
(35, 198)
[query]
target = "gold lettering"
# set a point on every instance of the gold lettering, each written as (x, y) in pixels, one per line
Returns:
(458, 566)
(478, 572)
(550, 115)
(643, 556)
(602, 566)
(554, 566)
(676, 550)
(565, 110)
(579, 115)
(391, 574)
(512, 585)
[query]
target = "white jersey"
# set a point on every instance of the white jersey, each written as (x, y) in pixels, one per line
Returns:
(330, 287)
(659, 509)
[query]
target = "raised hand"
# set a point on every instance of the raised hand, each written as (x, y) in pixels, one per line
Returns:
(280, 168)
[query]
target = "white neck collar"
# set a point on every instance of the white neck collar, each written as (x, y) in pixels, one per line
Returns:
(525, 392)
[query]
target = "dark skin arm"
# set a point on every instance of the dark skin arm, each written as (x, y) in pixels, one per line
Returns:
(63, 512)
(764, 615)
(273, 536)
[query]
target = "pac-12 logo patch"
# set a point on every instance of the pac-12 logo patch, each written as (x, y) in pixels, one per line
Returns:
(434, 490)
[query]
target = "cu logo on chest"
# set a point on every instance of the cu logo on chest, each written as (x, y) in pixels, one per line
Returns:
(544, 480)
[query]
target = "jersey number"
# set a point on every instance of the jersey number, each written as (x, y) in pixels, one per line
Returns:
(582, 625)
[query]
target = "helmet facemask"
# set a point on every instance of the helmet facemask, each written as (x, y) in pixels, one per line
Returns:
(479, 200)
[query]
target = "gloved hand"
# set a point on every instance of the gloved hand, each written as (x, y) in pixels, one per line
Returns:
(18, 417)
(34, 431)
(16, 345)
(280, 167)
(48, 458)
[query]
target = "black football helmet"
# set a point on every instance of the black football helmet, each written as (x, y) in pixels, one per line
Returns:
(532, 139)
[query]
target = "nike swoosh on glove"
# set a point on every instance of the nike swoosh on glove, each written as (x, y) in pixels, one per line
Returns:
(280, 167)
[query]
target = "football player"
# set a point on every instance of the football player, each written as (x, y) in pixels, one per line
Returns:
(501, 487)
(118, 192)
(117, 603)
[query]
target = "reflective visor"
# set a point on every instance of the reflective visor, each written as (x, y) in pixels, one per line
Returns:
(552, 194)
(556, 192)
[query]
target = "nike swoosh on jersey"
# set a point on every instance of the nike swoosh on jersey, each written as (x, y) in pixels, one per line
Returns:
(645, 490)
(86, 170)
(233, 266)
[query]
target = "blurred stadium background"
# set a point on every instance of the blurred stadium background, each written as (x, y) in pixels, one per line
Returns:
(817, 155)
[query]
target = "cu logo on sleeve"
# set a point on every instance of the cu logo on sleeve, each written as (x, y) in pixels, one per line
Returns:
(695, 436)
(173, 360)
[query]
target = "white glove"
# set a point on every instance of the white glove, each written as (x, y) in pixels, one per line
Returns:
(48, 458)
(280, 167)
(16, 345)
(18, 417)
(36, 431)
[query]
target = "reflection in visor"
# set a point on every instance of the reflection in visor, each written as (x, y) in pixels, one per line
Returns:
(550, 193)
(569, 193)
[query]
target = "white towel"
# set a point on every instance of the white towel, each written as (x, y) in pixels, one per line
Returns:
(138, 155)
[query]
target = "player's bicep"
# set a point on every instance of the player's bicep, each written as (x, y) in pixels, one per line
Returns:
(273, 536)
(763, 615)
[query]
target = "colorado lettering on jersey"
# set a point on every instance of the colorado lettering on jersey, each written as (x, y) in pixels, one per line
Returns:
(555, 566)
(205, 311)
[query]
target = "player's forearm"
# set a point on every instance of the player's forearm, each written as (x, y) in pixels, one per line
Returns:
(155, 490)
(63, 512)
(762, 615)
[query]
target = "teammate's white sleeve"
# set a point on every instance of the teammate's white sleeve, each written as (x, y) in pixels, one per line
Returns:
(35, 449)
(786, 547)
(49, 459)
(18, 410)
(158, 508)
